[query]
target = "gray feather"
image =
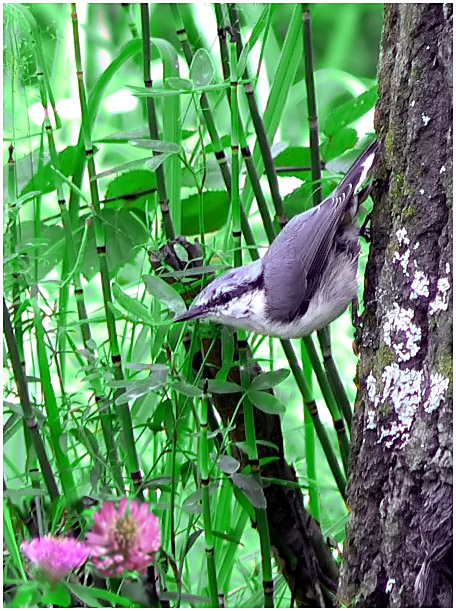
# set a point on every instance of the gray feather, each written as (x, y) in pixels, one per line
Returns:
(295, 261)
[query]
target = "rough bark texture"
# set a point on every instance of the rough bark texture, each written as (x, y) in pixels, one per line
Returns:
(398, 547)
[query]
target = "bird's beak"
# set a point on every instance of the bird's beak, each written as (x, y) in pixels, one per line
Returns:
(191, 314)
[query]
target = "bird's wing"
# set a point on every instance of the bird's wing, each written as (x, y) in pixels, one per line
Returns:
(293, 265)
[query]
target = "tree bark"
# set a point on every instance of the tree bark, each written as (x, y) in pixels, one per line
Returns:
(397, 551)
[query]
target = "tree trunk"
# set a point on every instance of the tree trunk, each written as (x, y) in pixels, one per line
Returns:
(398, 547)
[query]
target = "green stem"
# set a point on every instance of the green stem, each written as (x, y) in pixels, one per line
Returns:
(50, 401)
(334, 377)
(338, 421)
(311, 105)
(213, 134)
(250, 438)
(312, 407)
(258, 123)
(29, 418)
(153, 123)
(207, 520)
(123, 410)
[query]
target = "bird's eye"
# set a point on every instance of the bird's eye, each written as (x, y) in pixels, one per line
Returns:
(224, 297)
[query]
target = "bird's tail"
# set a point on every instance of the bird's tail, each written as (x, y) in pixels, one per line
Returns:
(358, 172)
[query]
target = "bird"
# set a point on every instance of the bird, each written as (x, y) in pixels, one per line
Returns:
(308, 275)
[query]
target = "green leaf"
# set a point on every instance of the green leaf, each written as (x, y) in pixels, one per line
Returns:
(228, 464)
(131, 305)
(86, 594)
(129, 183)
(47, 252)
(123, 166)
(259, 26)
(201, 70)
(266, 402)
(251, 488)
(45, 179)
(157, 145)
(10, 538)
(350, 111)
(165, 293)
(242, 63)
(225, 142)
(294, 157)
(269, 379)
(138, 388)
(254, 36)
(124, 137)
(179, 83)
(186, 389)
(340, 141)
(155, 162)
(25, 198)
(57, 595)
(300, 199)
(26, 596)
(216, 206)
(124, 234)
(221, 387)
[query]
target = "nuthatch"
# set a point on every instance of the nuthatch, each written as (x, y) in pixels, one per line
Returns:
(307, 277)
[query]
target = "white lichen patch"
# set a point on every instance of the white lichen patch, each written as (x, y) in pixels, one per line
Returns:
(403, 388)
(371, 422)
(425, 118)
(402, 237)
(420, 285)
(403, 391)
(421, 191)
(441, 299)
(438, 387)
(371, 385)
(403, 257)
(400, 333)
(389, 585)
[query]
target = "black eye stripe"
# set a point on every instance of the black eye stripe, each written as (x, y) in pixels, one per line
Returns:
(238, 291)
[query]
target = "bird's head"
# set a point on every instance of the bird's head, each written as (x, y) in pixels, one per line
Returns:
(224, 297)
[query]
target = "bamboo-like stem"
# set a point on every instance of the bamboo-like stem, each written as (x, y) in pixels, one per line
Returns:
(153, 123)
(250, 438)
(249, 418)
(312, 407)
(207, 520)
(213, 134)
(13, 231)
(309, 443)
(123, 410)
(72, 259)
(235, 201)
(29, 419)
(334, 377)
(50, 401)
(290, 59)
(311, 105)
(338, 421)
(258, 123)
(245, 150)
(130, 20)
